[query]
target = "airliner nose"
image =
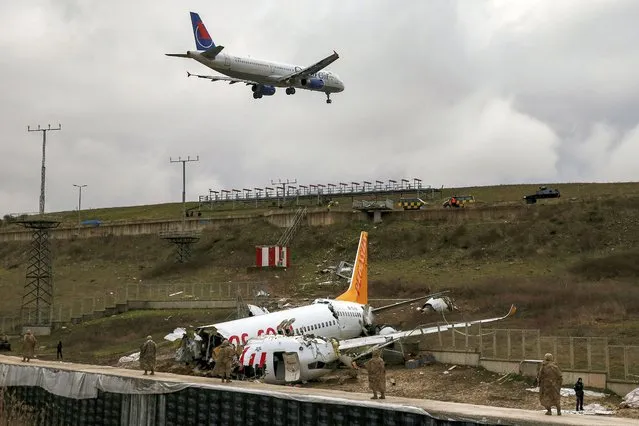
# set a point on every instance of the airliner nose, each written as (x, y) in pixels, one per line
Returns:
(340, 85)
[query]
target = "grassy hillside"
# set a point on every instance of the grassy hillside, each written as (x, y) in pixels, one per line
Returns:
(569, 264)
(485, 195)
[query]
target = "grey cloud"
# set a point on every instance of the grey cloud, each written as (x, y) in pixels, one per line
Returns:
(509, 92)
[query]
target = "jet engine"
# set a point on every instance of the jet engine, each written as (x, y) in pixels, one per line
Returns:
(263, 89)
(439, 304)
(312, 83)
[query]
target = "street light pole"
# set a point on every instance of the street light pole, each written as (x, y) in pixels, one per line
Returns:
(79, 202)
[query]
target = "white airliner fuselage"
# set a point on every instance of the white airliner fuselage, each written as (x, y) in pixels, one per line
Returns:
(324, 317)
(265, 72)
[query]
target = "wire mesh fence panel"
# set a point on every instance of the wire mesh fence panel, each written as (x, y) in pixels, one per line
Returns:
(580, 353)
(598, 353)
(530, 344)
(632, 363)
(616, 363)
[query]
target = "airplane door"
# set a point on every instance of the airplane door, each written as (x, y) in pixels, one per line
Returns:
(227, 61)
(292, 363)
(286, 366)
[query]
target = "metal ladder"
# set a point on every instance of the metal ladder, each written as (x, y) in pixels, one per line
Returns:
(287, 236)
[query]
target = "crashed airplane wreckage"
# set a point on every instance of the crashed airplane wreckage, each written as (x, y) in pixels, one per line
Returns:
(344, 318)
(290, 359)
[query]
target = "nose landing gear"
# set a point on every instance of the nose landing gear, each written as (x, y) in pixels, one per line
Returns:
(290, 90)
(328, 98)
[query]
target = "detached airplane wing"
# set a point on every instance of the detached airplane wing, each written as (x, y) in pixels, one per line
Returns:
(378, 341)
(311, 69)
(231, 80)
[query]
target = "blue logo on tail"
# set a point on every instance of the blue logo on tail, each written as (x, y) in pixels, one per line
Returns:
(203, 40)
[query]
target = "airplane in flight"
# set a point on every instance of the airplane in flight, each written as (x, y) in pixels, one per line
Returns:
(263, 76)
(347, 316)
(283, 360)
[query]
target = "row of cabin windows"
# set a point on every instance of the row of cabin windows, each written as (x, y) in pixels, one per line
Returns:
(244, 61)
(303, 330)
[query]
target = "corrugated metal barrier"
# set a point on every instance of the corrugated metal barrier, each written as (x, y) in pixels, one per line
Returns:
(205, 406)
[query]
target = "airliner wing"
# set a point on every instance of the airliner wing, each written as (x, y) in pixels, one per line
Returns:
(313, 68)
(378, 341)
(222, 78)
(406, 302)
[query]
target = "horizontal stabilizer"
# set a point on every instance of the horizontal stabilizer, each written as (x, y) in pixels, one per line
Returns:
(177, 55)
(212, 52)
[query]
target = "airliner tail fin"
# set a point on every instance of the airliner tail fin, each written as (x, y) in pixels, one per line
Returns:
(203, 40)
(358, 290)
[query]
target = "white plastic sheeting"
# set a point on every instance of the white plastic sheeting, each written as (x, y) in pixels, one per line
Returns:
(130, 358)
(177, 334)
(80, 385)
(631, 400)
(571, 392)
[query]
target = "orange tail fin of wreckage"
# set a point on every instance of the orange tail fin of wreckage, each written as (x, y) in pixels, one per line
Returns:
(358, 290)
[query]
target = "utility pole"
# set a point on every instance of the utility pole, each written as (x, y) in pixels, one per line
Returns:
(283, 188)
(44, 144)
(79, 202)
(180, 160)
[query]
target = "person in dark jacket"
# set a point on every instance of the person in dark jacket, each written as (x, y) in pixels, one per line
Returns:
(579, 393)
(58, 354)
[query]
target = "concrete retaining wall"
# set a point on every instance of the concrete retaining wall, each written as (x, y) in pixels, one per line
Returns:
(282, 219)
(500, 366)
(194, 304)
(621, 388)
(461, 358)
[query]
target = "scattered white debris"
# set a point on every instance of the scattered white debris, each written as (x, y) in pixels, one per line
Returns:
(130, 358)
(590, 410)
(452, 368)
(175, 334)
(262, 293)
(631, 400)
(176, 293)
(571, 392)
(256, 310)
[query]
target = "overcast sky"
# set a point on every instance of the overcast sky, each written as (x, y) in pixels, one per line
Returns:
(452, 92)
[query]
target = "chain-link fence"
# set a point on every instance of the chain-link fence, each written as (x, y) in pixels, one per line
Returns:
(571, 353)
(68, 306)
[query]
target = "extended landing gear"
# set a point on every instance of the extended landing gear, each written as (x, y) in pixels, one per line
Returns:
(290, 90)
(257, 95)
(328, 98)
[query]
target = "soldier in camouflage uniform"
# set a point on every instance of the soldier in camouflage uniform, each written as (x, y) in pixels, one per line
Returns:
(376, 374)
(28, 346)
(224, 361)
(549, 380)
(148, 351)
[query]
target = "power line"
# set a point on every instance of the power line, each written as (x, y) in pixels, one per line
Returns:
(44, 144)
